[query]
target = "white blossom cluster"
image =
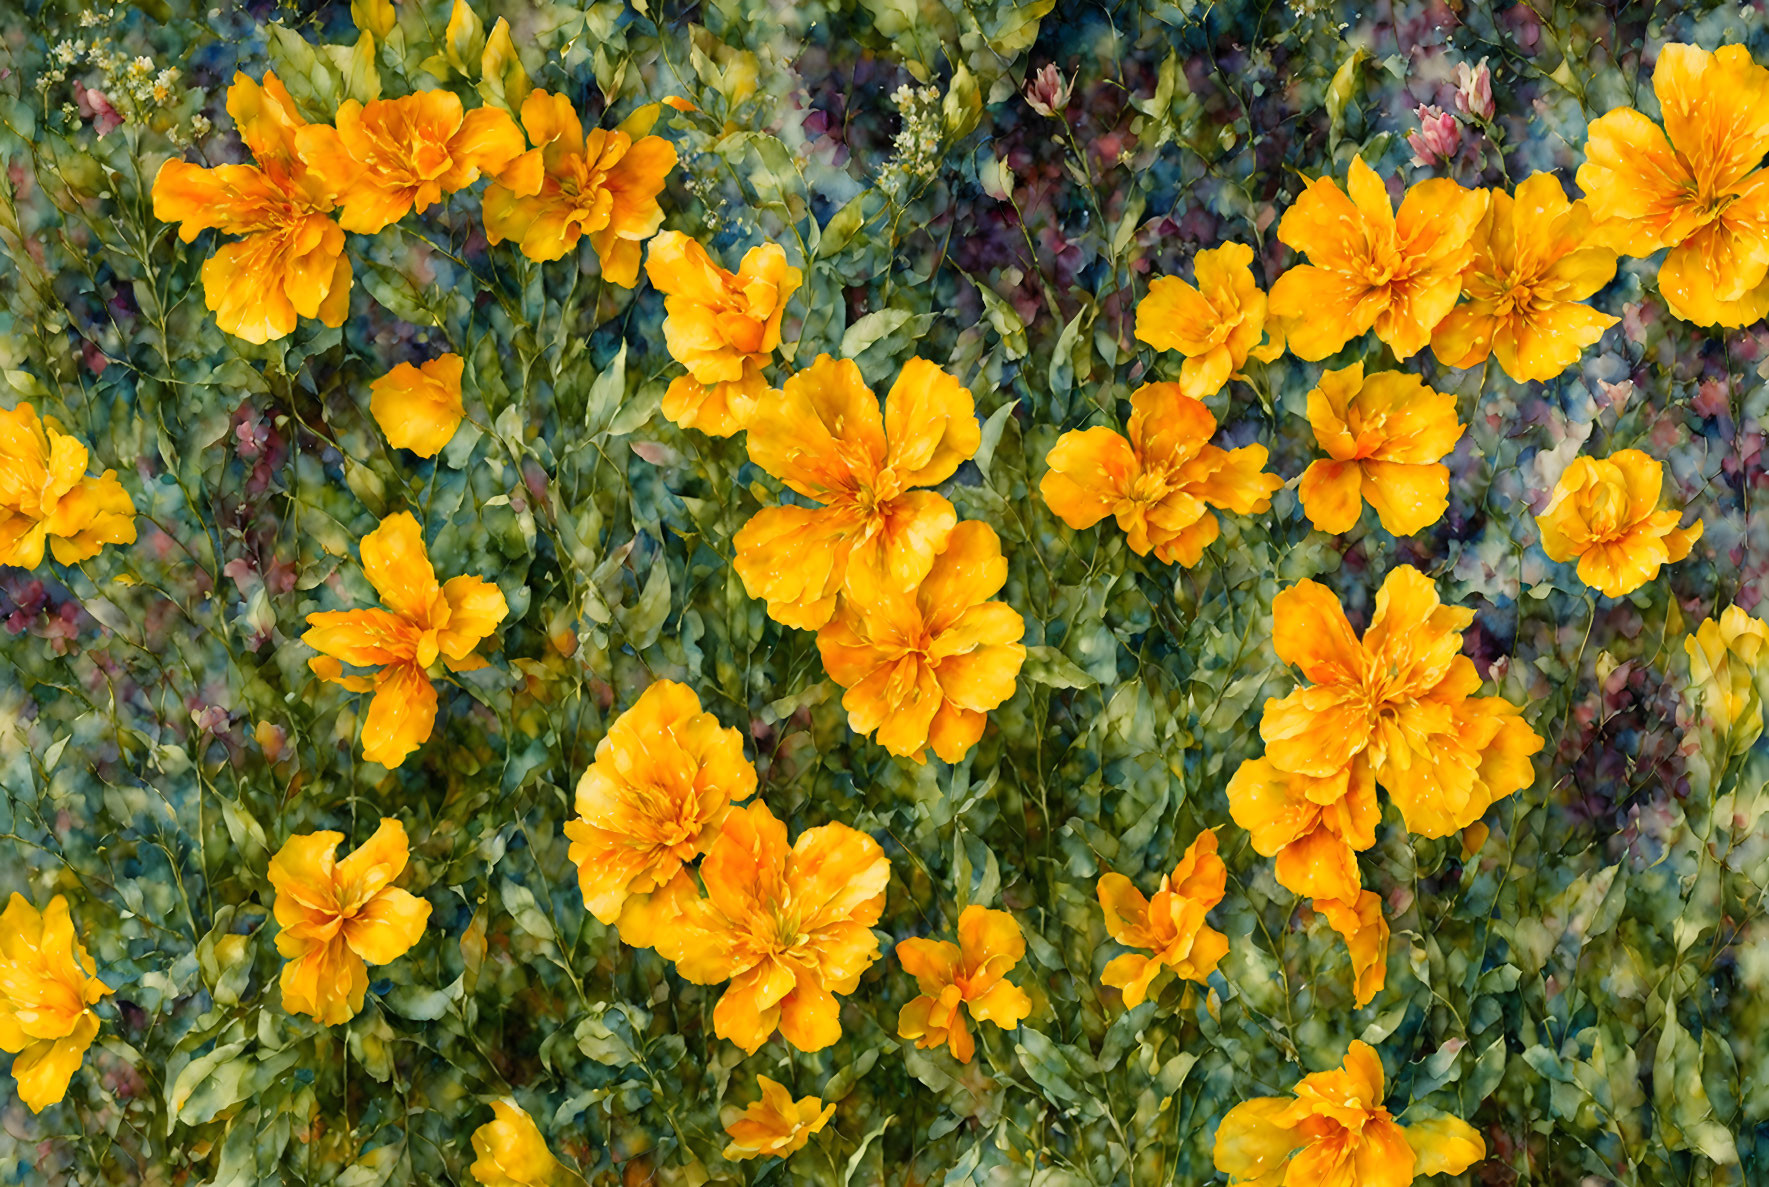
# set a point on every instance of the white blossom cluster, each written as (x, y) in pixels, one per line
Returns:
(916, 148)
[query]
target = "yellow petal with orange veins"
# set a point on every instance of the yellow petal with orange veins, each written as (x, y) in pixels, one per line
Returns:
(1332, 495)
(823, 431)
(1318, 864)
(1545, 344)
(476, 607)
(1261, 800)
(395, 562)
(44, 1069)
(810, 1017)
(378, 861)
(954, 730)
(1004, 1004)
(1126, 910)
(388, 926)
(1255, 1140)
(1131, 975)
(933, 963)
(401, 715)
(1407, 498)
(931, 424)
(1090, 469)
(1464, 338)
(1310, 632)
(1443, 1145)
(1322, 310)
(419, 408)
(910, 532)
(795, 559)
(984, 934)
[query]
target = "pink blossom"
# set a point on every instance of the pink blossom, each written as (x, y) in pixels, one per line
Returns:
(1438, 137)
(1048, 92)
(1474, 90)
(97, 108)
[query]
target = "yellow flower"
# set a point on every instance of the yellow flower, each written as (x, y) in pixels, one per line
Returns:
(1370, 267)
(722, 326)
(47, 500)
(1401, 699)
(396, 155)
(48, 986)
(1159, 482)
(788, 928)
(419, 408)
(1726, 660)
(924, 666)
(971, 973)
(1359, 919)
(1336, 1131)
(824, 438)
(337, 916)
(1315, 828)
(1385, 437)
(423, 622)
(603, 185)
(1170, 925)
(1605, 513)
(775, 1126)
(1534, 263)
(291, 261)
(509, 1150)
(653, 801)
(1216, 325)
(1698, 192)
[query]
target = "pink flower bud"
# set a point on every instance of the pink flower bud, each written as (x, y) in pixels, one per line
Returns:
(1438, 137)
(1474, 90)
(1048, 92)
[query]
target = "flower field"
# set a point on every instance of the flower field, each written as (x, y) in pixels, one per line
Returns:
(884, 592)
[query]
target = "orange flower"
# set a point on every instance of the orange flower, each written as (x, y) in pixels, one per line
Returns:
(972, 972)
(1314, 827)
(824, 438)
(48, 986)
(509, 1150)
(1161, 481)
(722, 326)
(419, 408)
(1401, 699)
(652, 802)
(775, 1126)
(339, 916)
(924, 666)
(1605, 513)
(291, 262)
(422, 623)
(1171, 925)
(788, 928)
(1699, 192)
(1534, 263)
(1336, 1132)
(396, 155)
(1370, 267)
(1216, 325)
(568, 185)
(48, 500)
(1359, 919)
(1385, 436)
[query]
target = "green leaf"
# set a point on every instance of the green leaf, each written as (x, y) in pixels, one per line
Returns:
(1048, 666)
